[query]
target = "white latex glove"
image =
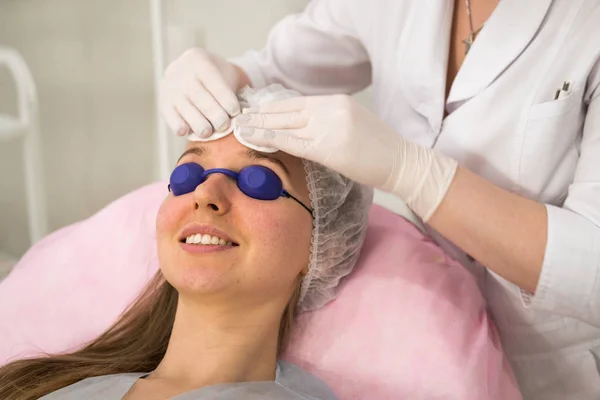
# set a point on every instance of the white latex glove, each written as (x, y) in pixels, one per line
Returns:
(339, 133)
(198, 93)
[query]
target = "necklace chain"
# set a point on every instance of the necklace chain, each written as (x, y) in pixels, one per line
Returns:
(468, 3)
(471, 39)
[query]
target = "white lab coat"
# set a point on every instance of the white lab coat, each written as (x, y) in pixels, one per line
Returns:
(504, 124)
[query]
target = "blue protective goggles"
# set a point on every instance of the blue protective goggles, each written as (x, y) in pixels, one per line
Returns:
(254, 181)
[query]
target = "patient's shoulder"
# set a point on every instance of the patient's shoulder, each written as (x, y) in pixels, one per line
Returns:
(302, 382)
(96, 388)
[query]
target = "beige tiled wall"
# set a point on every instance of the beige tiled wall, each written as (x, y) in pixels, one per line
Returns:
(92, 61)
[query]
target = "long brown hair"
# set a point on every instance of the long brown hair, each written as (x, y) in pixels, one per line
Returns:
(137, 342)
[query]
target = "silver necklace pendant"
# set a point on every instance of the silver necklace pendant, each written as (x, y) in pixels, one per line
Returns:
(468, 42)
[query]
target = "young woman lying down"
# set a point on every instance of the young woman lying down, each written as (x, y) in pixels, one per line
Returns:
(245, 240)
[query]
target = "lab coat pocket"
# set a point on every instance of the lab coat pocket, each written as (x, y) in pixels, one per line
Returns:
(556, 108)
(509, 308)
(527, 320)
(549, 150)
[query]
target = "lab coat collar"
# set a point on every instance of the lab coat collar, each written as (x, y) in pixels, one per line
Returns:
(510, 29)
(424, 58)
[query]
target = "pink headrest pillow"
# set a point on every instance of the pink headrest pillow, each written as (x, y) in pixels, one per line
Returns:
(408, 323)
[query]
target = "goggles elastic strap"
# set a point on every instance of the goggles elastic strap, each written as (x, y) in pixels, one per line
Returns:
(285, 193)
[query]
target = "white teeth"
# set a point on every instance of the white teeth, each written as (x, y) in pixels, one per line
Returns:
(206, 239)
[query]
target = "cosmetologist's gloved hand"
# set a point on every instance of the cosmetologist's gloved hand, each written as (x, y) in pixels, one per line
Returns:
(197, 93)
(338, 132)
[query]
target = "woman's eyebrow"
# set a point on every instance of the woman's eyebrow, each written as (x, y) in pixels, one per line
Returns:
(256, 155)
(199, 151)
(252, 154)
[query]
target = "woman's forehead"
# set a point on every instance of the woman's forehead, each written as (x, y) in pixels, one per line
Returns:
(229, 148)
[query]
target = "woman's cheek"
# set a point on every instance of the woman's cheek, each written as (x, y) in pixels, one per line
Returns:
(168, 215)
(168, 223)
(284, 229)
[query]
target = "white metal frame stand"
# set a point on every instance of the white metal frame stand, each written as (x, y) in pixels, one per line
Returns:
(26, 127)
(157, 13)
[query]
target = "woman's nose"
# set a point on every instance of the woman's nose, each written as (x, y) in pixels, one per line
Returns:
(214, 194)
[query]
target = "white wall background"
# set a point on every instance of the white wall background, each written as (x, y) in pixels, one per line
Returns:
(92, 62)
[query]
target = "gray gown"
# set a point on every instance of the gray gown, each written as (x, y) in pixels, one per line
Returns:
(291, 383)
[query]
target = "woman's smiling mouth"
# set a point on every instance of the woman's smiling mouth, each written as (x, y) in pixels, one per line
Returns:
(205, 239)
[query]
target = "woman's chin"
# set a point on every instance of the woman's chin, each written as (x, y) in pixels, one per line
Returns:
(206, 279)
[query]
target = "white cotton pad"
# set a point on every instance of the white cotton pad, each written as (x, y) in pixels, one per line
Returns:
(219, 135)
(250, 97)
(236, 133)
(192, 137)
